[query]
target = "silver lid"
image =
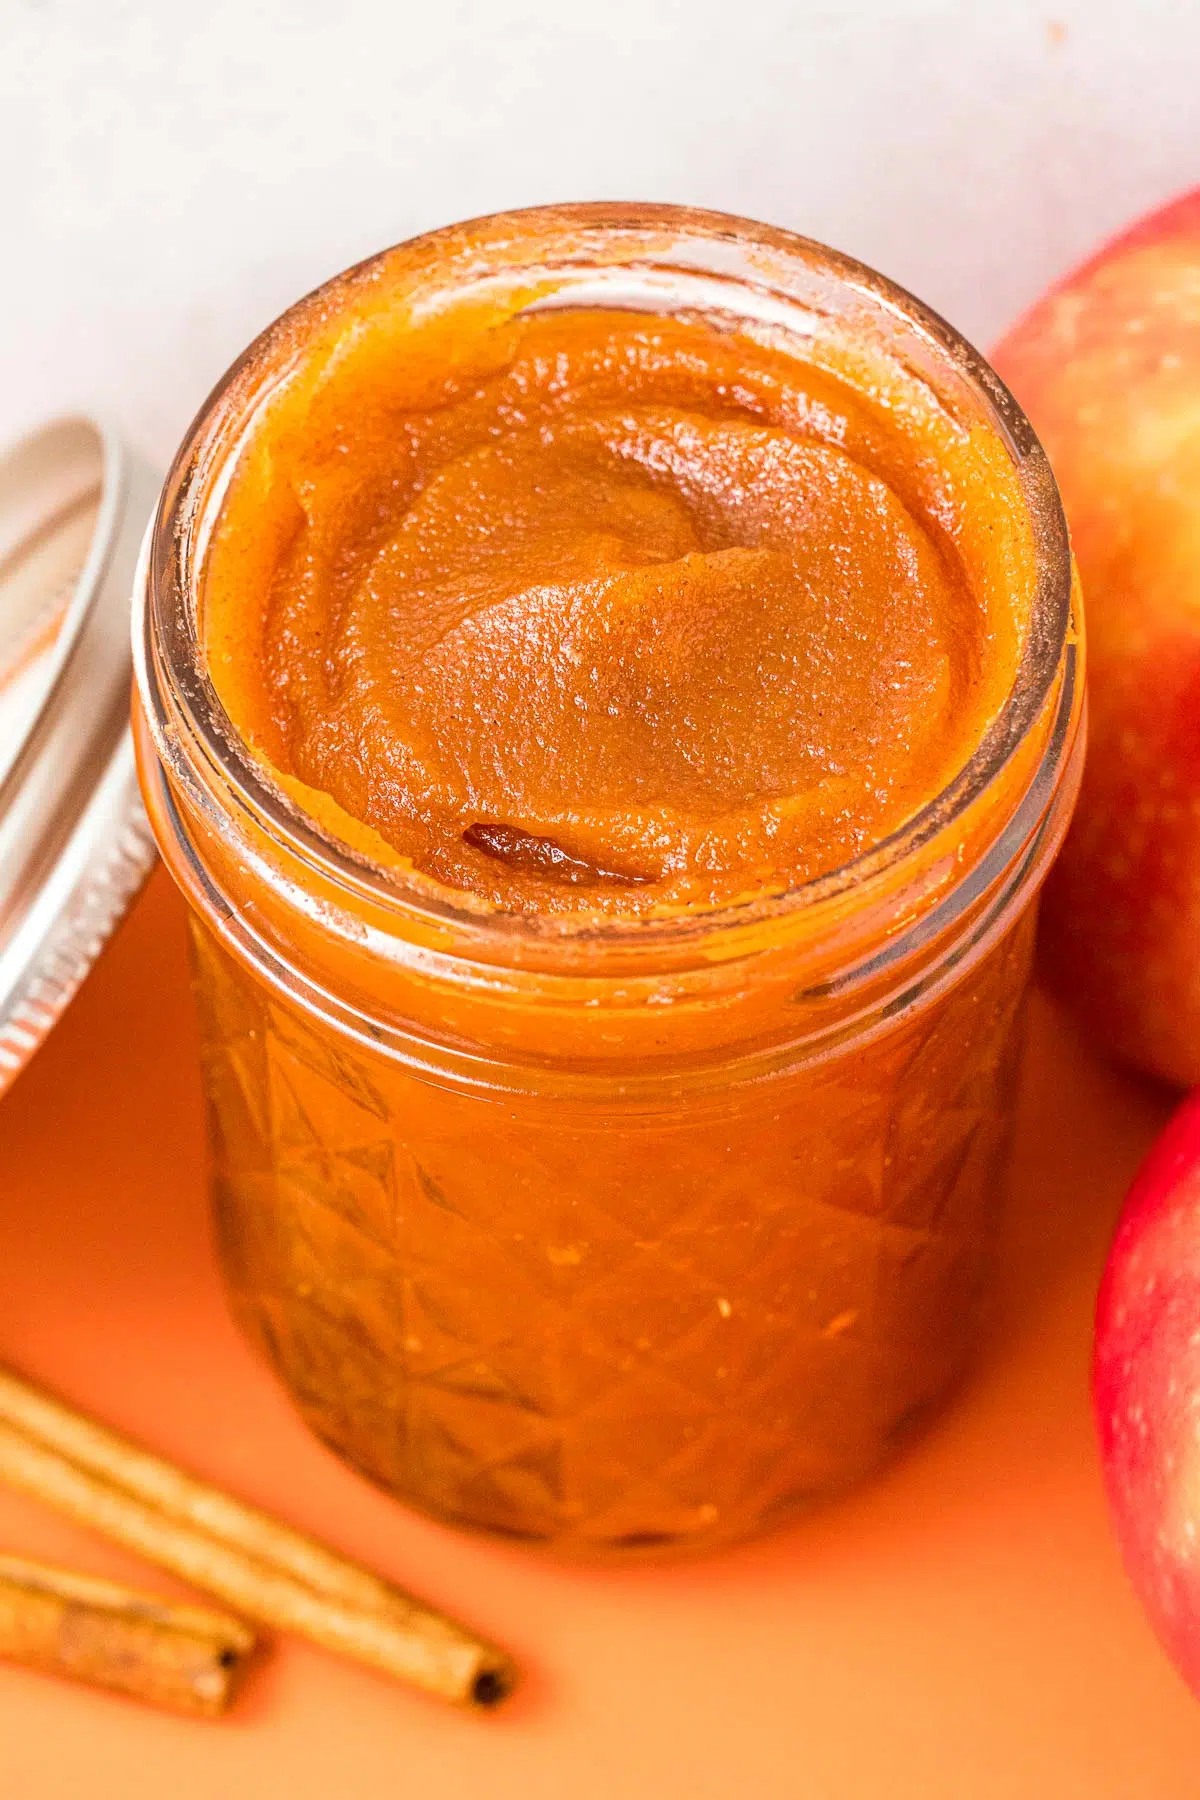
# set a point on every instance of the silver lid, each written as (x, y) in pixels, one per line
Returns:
(75, 845)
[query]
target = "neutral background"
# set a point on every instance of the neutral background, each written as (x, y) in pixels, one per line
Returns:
(173, 173)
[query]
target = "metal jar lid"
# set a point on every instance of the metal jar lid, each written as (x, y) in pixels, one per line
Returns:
(75, 845)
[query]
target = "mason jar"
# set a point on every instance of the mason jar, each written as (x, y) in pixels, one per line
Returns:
(623, 1233)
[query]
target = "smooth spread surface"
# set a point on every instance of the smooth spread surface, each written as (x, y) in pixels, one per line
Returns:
(612, 609)
(605, 610)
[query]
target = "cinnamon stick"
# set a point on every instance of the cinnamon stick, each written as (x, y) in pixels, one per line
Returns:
(255, 1563)
(186, 1658)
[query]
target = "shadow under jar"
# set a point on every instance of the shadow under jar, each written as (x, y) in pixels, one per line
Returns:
(614, 1232)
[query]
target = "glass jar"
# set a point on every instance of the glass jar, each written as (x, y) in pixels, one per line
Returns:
(634, 1234)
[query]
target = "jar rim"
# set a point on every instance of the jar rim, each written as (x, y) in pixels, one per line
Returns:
(168, 648)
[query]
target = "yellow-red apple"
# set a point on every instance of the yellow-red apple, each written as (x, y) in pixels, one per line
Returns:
(1146, 1386)
(1108, 368)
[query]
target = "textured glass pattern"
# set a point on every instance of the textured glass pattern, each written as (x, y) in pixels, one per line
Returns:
(553, 1320)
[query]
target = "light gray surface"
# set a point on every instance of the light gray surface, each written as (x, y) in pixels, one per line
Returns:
(172, 174)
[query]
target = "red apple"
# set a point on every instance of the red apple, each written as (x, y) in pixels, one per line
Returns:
(1146, 1386)
(1108, 368)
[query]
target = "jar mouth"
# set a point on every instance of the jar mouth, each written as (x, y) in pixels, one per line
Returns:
(635, 255)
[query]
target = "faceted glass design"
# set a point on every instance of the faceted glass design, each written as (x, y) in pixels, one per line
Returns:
(604, 1328)
(614, 1238)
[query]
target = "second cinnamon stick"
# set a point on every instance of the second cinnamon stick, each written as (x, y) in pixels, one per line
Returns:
(189, 1659)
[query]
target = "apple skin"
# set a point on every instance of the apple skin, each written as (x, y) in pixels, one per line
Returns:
(1146, 1386)
(1107, 366)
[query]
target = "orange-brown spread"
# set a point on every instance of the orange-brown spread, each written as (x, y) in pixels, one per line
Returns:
(548, 609)
(604, 610)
